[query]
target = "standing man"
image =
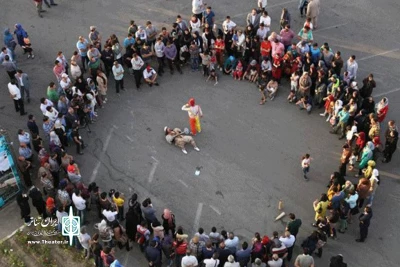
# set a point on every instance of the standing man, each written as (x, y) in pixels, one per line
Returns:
(352, 67)
(312, 12)
(208, 17)
(266, 20)
(32, 126)
(189, 260)
(137, 65)
(288, 240)
(304, 260)
(365, 220)
(10, 67)
(151, 33)
(198, 8)
(23, 83)
(80, 205)
(171, 53)
(77, 139)
(118, 72)
(15, 94)
(293, 225)
(38, 4)
(253, 18)
(159, 49)
(51, 3)
(6, 51)
(262, 4)
(107, 56)
(82, 46)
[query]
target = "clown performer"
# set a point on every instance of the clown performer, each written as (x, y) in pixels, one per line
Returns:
(194, 112)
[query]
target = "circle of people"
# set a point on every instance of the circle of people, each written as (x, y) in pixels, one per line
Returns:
(254, 54)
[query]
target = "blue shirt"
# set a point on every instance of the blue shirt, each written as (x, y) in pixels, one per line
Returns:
(243, 255)
(315, 54)
(208, 18)
(82, 45)
(129, 42)
(25, 152)
(343, 116)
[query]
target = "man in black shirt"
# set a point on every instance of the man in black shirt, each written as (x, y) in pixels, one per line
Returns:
(32, 126)
(365, 220)
(77, 139)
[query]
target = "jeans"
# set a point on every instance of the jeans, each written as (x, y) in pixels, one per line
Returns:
(194, 62)
(161, 64)
(82, 215)
(306, 170)
(118, 84)
(85, 61)
(47, 2)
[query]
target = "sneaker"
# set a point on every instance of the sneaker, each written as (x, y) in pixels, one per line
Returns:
(196, 148)
(322, 114)
(184, 151)
(105, 99)
(29, 56)
(157, 84)
(272, 98)
(33, 56)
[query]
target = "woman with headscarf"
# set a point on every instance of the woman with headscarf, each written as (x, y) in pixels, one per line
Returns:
(336, 109)
(9, 41)
(195, 113)
(329, 103)
(320, 207)
(50, 207)
(360, 143)
(133, 217)
(366, 156)
(304, 85)
(20, 33)
(375, 129)
(168, 219)
(23, 203)
(374, 185)
(102, 84)
(37, 201)
(382, 109)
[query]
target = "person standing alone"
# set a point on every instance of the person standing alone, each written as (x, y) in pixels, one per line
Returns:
(365, 220)
(305, 165)
(23, 83)
(194, 112)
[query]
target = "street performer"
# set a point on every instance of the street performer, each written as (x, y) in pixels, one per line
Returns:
(177, 137)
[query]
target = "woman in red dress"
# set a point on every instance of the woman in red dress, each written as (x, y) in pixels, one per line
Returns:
(277, 68)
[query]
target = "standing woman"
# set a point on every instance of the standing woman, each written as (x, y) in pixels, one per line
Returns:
(133, 217)
(366, 156)
(363, 188)
(285, 18)
(9, 41)
(320, 208)
(382, 109)
(23, 203)
(168, 221)
(390, 146)
(102, 84)
(194, 112)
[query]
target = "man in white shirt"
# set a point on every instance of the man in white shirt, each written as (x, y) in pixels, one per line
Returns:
(198, 8)
(266, 20)
(228, 25)
(352, 67)
(44, 103)
(52, 113)
(137, 65)
(262, 31)
(110, 215)
(65, 84)
(118, 72)
(214, 261)
(80, 205)
(189, 260)
(24, 137)
(232, 243)
(150, 76)
(15, 94)
(262, 4)
(84, 240)
(288, 240)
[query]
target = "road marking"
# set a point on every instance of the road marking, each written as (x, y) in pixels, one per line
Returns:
(184, 184)
(153, 169)
(379, 54)
(215, 209)
(103, 151)
(330, 27)
(388, 92)
(197, 218)
(130, 139)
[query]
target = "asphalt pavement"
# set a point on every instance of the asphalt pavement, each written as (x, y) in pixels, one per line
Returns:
(250, 154)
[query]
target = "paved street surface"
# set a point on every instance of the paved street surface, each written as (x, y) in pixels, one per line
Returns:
(250, 154)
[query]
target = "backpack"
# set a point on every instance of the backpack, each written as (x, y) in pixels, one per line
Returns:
(140, 238)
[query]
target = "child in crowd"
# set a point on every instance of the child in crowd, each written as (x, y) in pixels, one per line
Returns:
(213, 76)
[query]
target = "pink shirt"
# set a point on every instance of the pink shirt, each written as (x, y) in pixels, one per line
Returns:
(277, 48)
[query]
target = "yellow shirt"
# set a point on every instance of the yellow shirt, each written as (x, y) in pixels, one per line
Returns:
(119, 201)
(324, 207)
